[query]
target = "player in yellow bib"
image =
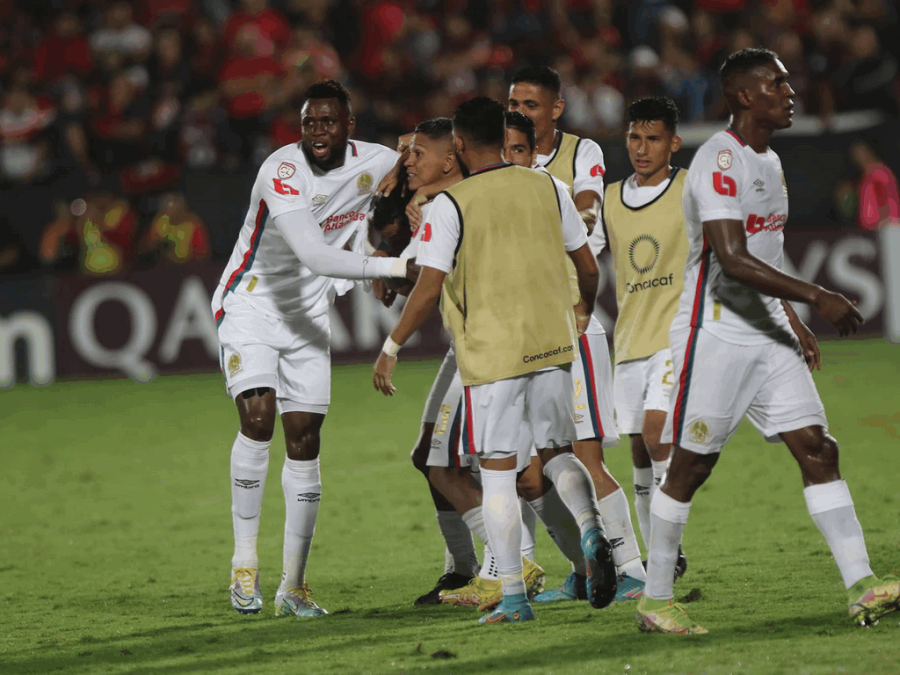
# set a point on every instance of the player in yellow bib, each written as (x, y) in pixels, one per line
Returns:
(644, 226)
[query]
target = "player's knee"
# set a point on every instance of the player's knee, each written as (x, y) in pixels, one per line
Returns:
(303, 444)
(258, 425)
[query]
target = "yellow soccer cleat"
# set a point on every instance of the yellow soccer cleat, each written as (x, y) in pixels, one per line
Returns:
(478, 591)
(872, 598)
(665, 616)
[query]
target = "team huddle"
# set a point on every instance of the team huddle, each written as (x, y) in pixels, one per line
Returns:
(497, 218)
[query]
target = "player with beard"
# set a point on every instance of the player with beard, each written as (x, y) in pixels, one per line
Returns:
(735, 318)
(271, 310)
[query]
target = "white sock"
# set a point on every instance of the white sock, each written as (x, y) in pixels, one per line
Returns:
(575, 488)
(529, 529)
(503, 522)
(659, 474)
(249, 464)
(616, 517)
(643, 480)
(474, 520)
(831, 508)
(302, 492)
(561, 527)
(461, 552)
(667, 520)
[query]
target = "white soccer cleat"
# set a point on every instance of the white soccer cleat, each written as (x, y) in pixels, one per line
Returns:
(297, 601)
(246, 597)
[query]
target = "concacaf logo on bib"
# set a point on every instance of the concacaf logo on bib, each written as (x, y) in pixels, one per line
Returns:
(286, 170)
(364, 184)
(725, 159)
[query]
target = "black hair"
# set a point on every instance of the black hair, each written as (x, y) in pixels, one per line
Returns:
(654, 108)
(543, 76)
(440, 128)
(329, 89)
(743, 62)
(390, 208)
(482, 121)
(522, 122)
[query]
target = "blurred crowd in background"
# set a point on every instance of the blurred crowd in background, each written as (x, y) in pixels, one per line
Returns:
(107, 105)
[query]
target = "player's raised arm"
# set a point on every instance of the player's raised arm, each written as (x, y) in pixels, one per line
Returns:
(303, 234)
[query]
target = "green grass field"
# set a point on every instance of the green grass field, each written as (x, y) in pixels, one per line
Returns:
(115, 543)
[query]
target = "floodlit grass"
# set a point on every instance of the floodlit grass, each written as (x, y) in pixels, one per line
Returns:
(115, 543)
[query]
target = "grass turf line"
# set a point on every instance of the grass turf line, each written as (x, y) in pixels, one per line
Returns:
(116, 541)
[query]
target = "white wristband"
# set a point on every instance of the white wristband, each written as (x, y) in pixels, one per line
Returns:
(390, 347)
(398, 268)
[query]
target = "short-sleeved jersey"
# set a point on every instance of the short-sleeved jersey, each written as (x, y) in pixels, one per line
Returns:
(577, 162)
(728, 180)
(263, 269)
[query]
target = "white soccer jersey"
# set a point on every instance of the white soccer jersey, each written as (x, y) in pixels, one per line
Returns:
(263, 269)
(728, 180)
(589, 166)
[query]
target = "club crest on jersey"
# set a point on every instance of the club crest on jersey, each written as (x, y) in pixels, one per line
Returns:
(286, 170)
(234, 364)
(364, 184)
(699, 431)
(725, 160)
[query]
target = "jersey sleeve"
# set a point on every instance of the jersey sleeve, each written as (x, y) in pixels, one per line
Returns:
(574, 232)
(412, 249)
(589, 168)
(439, 235)
(716, 179)
(284, 187)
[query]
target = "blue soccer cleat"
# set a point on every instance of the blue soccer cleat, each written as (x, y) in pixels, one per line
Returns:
(573, 588)
(601, 570)
(512, 609)
(629, 588)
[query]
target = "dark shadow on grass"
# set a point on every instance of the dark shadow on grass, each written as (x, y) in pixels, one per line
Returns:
(214, 645)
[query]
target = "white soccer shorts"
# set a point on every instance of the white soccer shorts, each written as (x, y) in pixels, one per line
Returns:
(642, 385)
(444, 409)
(506, 418)
(592, 383)
(293, 356)
(717, 383)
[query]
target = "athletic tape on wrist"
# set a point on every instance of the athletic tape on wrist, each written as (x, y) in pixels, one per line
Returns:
(390, 347)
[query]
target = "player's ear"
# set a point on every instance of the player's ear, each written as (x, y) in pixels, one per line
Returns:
(676, 143)
(351, 125)
(558, 109)
(449, 162)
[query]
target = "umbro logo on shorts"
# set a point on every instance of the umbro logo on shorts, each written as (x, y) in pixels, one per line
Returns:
(246, 484)
(310, 497)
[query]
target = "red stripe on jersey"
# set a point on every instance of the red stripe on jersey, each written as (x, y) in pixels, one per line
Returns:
(736, 136)
(251, 252)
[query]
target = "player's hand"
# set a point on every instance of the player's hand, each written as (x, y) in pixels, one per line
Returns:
(838, 311)
(589, 217)
(381, 374)
(808, 344)
(414, 210)
(582, 318)
(404, 141)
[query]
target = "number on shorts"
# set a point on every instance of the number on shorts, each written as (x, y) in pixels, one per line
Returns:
(443, 418)
(578, 387)
(667, 376)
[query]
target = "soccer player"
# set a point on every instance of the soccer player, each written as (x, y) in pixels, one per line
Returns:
(735, 318)
(578, 162)
(644, 224)
(271, 309)
(507, 302)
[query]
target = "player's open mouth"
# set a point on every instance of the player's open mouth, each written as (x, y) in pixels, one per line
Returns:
(320, 149)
